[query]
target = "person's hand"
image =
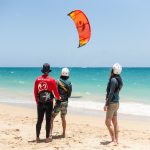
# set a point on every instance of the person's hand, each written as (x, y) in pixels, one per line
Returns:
(60, 98)
(105, 108)
(58, 102)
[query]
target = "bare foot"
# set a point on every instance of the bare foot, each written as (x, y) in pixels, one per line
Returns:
(37, 140)
(115, 143)
(112, 139)
(64, 135)
(48, 139)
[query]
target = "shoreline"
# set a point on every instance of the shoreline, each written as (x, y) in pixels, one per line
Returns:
(84, 112)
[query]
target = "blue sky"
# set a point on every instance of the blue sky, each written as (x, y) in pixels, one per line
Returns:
(34, 31)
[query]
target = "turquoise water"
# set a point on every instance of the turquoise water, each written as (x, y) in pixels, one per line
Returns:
(86, 81)
(89, 83)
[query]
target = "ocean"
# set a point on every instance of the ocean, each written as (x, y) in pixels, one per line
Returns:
(89, 88)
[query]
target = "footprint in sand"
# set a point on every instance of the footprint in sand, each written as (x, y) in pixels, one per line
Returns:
(75, 140)
(6, 133)
(18, 138)
(56, 147)
(124, 146)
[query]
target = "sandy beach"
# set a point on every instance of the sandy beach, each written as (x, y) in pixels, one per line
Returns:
(17, 132)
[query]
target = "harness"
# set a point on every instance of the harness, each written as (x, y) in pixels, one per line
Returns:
(63, 89)
(62, 86)
(45, 96)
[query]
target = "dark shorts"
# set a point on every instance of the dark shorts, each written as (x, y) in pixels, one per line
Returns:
(112, 110)
(62, 109)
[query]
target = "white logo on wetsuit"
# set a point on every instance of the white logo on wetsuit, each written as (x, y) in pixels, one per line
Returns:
(42, 86)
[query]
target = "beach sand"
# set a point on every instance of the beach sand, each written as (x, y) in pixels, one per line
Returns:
(17, 132)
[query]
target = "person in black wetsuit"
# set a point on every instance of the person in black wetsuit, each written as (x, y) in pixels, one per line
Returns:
(43, 89)
(112, 101)
(64, 89)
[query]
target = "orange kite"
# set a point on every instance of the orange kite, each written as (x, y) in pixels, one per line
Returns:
(82, 25)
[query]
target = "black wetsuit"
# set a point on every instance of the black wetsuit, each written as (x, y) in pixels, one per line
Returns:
(113, 88)
(44, 108)
(43, 89)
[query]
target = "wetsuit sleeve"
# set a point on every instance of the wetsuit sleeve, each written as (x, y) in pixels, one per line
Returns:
(70, 90)
(36, 92)
(107, 91)
(55, 91)
(113, 83)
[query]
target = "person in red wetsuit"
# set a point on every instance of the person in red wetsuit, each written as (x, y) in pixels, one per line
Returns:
(44, 88)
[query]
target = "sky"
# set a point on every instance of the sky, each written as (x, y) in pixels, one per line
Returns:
(33, 32)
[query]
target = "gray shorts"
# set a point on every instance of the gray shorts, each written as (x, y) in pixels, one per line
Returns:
(62, 109)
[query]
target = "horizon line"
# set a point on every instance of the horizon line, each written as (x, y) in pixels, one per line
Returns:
(73, 67)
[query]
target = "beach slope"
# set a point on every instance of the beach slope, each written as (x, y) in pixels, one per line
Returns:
(17, 132)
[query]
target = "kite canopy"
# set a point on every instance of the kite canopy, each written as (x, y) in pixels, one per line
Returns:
(82, 25)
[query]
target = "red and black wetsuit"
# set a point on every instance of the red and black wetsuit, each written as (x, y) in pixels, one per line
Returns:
(45, 86)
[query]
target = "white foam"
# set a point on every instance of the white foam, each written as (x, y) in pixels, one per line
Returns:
(16, 101)
(131, 108)
(135, 109)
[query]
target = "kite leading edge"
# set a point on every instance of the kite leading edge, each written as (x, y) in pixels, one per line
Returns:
(82, 25)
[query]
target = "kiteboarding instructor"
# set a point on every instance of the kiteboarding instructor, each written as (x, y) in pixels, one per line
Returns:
(112, 101)
(43, 89)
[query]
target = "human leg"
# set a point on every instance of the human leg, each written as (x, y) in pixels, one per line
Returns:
(52, 122)
(63, 118)
(49, 108)
(40, 116)
(55, 112)
(110, 128)
(115, 123)
(108, 120)
(116, 127)
(64, 106)
(51, 129)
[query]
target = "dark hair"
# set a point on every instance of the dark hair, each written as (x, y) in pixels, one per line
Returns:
(118, 78)
(111, 74)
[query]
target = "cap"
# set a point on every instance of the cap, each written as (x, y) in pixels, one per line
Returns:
(46, 68)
